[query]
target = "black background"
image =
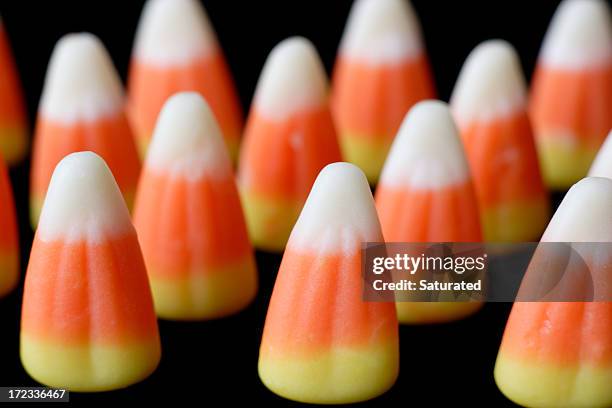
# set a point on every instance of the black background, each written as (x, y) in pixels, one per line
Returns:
(216, 362)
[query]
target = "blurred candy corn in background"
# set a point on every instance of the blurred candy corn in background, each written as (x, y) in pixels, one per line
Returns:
(175, 50)
(189, 218)
(571, 91)
(13, 121)
(426, 194)
(490, 106)
(560, 353)
(381, 71)
(289, 138)
(322, 343)
(82, 108)
(88, 322)
(9, 240)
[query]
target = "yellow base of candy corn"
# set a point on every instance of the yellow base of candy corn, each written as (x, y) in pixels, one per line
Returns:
(142, 145)
(9, 271)
(212, 295)
(338, 376)
(534, 384)
(13, 144)
(88, 368)
(36, 203)
(233, 148)
(517, 222)
(563, 160)
(367, 154)
(233, 145)
(434, 312)
(269, 221)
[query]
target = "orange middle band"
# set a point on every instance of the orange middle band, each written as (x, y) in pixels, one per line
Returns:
(565, 333)
(149, 87)
(503, 160)
(422, 215)
(96, 306)
(317, 304)
(110, 137)
(283, 158)
(175, 242)
(579, 101)
(370, 101)
(11, 99)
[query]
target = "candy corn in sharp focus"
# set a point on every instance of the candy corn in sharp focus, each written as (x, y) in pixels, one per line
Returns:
(198, 255)
(82, 108)
(88, 322)
(289, 138)
(13, 122)
(176, 49)
(571, 94)
(9, 240)
(557, 354)
(489, 105)
(322, 343)
(381, 71)
(426, 194)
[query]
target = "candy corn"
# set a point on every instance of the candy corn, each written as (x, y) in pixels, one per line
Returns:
(426, 194)
(489, 105)
(289, 138)
(176, 49)
(602, 165)
(13, 122)
(9, 242)
(322, 343)
(88, 322)
(560, 353)
(571, 95)
(82, 108)
(198, 255)
(381, 71)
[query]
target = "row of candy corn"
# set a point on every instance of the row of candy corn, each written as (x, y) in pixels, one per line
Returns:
(82, 108)
(322, 342)
(174, 276)
(88, 318)
(294, 61)
(381, 71)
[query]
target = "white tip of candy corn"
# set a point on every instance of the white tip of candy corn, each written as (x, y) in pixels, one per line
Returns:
(81, 83)
(602, 165)
(83, 202)
(187, 140)
(427, 152)
(173, 32)
(382, 31)
(579, 35)
(339, 213)
(585, 214)
(490, 84)
(293, 79)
